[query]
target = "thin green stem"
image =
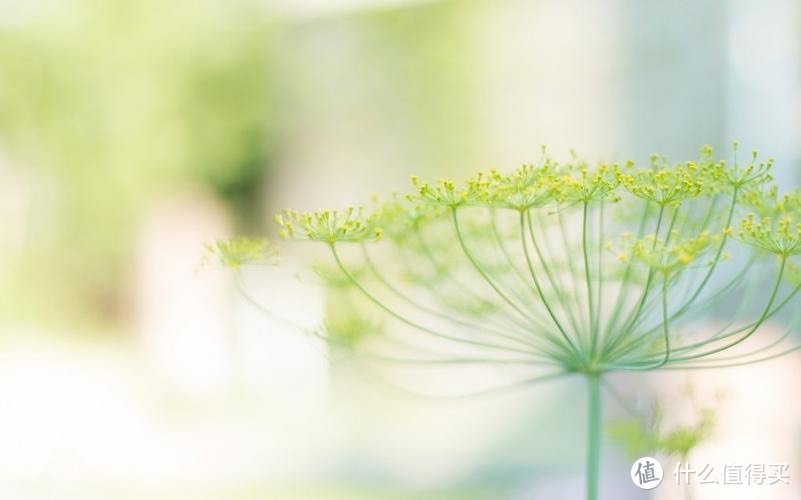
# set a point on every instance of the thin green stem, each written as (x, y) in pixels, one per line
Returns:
(505, 272)
(528, 361)
(665, 322)
(593, 434)
(239, 279)
(481, 271)
(600, 277)
(625, 281)
(471, 326)
(751, 329)
(788, 333)
(723, 334)
(718, 255)
(590, 307)
(627, 325)
(732, 365)
(665, 336)
(372, 298)
(558, 290)
(539, 288)
(452, 361)
(511, 321)
(501, 244)
(702, 306)
(644, 305)
(568, 253)
(756, 326)
(492, 391)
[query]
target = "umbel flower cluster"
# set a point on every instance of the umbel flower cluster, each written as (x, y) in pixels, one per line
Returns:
(588, 268)
(572, 267)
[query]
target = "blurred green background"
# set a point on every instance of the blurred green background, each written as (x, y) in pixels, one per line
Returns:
(133, 131)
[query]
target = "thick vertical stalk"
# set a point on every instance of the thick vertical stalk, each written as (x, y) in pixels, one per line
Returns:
(593, 434)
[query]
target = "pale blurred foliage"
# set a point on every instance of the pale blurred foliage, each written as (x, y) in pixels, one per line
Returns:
(113, 104)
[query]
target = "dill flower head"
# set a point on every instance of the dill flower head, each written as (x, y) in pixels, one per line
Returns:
(755, 173)
(780, 235)
(663, 184)
(445, 192)
(242, 251)
(398, 219)
(766, 202)
(527, 187)
(666, 256)
(583, 268)
(577, 182)
(329, 226)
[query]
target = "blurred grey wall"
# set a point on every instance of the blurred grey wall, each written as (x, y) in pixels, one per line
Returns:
(700, 72)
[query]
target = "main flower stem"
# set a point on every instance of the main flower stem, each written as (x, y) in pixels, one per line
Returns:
(593, 434)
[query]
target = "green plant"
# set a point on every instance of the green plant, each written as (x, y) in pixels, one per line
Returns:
(642, 438)
(572, 268)
(648, 435)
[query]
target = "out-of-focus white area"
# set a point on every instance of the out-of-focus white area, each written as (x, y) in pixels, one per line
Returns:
(182, 324)
(756, 424)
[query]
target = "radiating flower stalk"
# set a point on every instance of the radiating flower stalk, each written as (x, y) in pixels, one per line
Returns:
(572, 268)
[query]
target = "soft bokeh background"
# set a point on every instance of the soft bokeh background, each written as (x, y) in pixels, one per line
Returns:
(134, 131)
